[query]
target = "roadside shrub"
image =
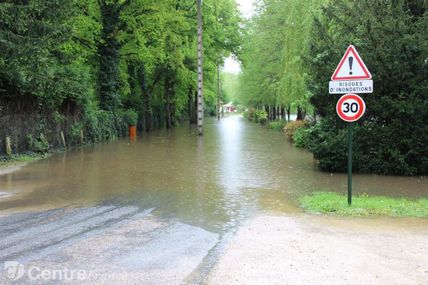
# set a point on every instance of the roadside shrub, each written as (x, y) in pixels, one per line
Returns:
(75, 131)
(101, 125)
(330, 150)
(277, 126)
(130, 117)
(245, 114)
(329, 147)
(301, 137)
(261, 117)
(38, 144)
(250, 116)
(291, 128)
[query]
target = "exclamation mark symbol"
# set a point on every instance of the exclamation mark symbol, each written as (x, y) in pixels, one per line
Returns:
(351, 61)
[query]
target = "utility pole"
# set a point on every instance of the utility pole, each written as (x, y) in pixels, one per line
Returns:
(218, 91)
(200, 72)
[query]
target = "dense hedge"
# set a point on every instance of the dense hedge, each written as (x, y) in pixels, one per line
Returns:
(391, 36)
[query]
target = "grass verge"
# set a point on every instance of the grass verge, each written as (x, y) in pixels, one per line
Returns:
(18, 159)
(364, 205)
(277, 125)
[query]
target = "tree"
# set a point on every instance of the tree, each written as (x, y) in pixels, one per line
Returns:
(79, 65)
(274, 69)
(35, 67)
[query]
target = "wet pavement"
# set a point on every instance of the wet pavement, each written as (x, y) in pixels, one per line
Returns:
(102, 245)
(304, 249)
(161, 209)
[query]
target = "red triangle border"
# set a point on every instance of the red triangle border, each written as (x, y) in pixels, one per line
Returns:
(367, 73)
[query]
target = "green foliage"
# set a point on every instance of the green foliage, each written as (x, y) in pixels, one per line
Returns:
(88, 60)
(246, 114)
(277, 126)
(291, 128)
(100, 125)
(301, 137)
(38, 144)
(293, 46)
(75, 132)
(391, 36)
(250, 114)
(19, 159)
(230, 87)
(32, 58)
(329, 148)
(260, 116)
(363, 205)
(274, 71)
(130, 117)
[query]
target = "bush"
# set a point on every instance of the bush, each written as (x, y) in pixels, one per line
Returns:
(250, 116)
(261, 117)
(292, 127)
(329, 149)
(301, 137)
(39, 144)
(245, 114)
(75, 131)
(130, 117)
(100, 125)
(277, 126)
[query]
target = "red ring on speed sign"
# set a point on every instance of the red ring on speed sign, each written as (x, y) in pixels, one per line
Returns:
(350, 107)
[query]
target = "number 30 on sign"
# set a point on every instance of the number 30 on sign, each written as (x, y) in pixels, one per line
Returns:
(350, 107)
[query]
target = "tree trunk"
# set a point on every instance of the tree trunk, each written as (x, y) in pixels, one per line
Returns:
(282, 112)
(288, 113)
(167, 93)
(218, 91)
(299, 113)
(147, 109)
(267, 111)
(273, 113)
(109, 57)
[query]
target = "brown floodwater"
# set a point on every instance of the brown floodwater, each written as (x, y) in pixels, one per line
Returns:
(235, 170)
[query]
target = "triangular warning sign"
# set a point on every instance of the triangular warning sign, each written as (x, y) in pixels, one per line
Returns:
(351, 67)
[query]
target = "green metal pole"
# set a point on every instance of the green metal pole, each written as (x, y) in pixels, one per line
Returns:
(350, 135)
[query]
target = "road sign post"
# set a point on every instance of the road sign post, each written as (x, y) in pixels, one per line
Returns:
(351, 76)
(350, 108)
(350, 138)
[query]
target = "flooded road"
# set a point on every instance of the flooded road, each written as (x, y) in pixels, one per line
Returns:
(163, 206)
(236, 169)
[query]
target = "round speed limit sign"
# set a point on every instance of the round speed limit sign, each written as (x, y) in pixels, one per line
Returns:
(350, 107)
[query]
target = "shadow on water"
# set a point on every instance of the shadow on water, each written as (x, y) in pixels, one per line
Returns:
(236, 169)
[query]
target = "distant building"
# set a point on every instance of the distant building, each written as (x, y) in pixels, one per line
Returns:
(229, 108)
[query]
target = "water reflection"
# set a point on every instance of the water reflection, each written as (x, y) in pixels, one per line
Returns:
(237, 168)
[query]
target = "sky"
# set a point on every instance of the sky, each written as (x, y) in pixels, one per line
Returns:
(247, 9)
